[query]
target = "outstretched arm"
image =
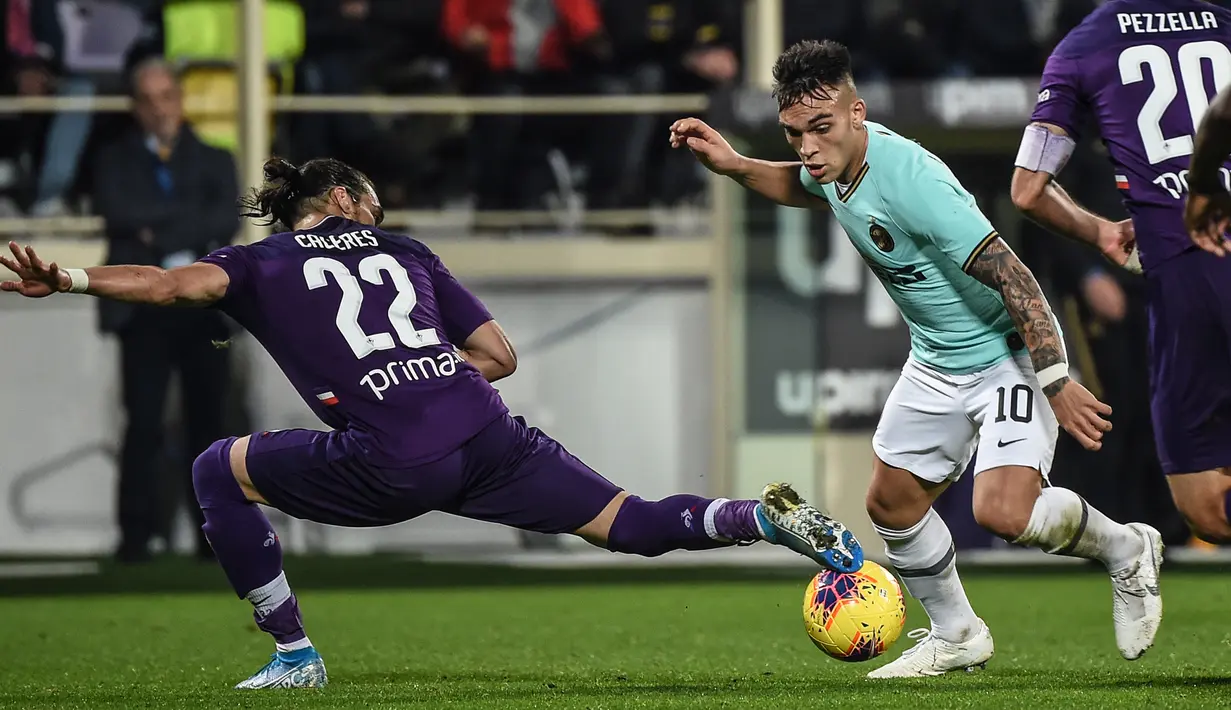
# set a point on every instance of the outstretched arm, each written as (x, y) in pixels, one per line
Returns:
(1208, 211)
(778, 181)
(997, 267)
(194, 285)
(1045, 149)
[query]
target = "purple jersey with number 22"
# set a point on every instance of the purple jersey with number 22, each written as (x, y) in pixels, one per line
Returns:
(1147, 70)
(364, 323)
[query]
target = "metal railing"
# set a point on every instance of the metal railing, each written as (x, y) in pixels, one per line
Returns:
(387, 105)
(85, 226)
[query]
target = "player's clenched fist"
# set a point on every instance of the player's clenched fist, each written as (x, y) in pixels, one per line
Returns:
(1118, 242)
(1081, 415)
(1207, 218)
(708, 145)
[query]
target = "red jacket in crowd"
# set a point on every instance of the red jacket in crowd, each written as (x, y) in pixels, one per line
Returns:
(466, 22)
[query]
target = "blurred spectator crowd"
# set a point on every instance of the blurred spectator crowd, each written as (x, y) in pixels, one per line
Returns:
(474, 48)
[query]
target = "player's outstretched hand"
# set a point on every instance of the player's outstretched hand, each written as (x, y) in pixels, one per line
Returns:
(1081, 415)
(1207, 218)
(35, 279)
(708, 145)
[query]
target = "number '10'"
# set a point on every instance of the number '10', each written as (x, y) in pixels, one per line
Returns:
(1020, 404)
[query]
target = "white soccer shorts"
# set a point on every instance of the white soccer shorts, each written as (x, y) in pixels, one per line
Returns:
(933, 423)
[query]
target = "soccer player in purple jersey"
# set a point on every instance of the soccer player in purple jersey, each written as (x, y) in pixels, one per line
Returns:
(1146, 69)
(393, 354)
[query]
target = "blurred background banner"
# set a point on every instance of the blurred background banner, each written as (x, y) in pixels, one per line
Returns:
(824, 342)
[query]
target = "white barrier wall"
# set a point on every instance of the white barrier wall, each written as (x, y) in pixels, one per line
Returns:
(621, 376)
(59, 428)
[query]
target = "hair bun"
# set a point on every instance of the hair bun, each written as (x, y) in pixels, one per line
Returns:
(280, 170)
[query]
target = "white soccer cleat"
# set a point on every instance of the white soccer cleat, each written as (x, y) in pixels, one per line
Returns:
(932, 656)
(1137, 604)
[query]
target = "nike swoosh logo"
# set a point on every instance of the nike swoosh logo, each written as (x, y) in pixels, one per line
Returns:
(1001, 444)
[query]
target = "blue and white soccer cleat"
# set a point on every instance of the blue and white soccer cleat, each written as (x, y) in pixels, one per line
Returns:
(791, 521)
(294, 669)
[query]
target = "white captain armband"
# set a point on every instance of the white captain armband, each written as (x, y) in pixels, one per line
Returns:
(1043, 151)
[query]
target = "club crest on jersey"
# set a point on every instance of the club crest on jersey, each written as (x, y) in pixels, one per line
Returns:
(881, 237)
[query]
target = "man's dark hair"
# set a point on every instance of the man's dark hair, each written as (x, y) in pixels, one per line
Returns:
(810, 68)
(289, 192)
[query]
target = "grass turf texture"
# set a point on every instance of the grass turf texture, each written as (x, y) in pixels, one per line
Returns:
(648, 644)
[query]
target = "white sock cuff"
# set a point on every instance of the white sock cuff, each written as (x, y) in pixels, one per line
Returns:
(294, 645)
(710, 511)
(270, 596)
(1037, 522)
(1048, 512)
(894, 535)
(924, 550)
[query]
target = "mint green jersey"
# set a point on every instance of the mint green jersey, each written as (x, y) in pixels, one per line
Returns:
(919, 229)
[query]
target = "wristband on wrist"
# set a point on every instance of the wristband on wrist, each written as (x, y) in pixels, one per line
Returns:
(1052, 374)
(78, 280)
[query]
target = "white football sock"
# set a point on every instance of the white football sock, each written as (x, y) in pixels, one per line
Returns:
(270, 596)
(1062, 523)
(294, 645)
(924, 559)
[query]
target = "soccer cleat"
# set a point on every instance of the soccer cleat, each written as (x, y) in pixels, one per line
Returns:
(790, 521)
(932, 656)
(1137, 604)
(295, 669)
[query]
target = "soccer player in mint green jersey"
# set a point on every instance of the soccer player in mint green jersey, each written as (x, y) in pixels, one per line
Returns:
(987, 375)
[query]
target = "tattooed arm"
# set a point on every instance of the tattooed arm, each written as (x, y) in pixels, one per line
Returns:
(998, 268)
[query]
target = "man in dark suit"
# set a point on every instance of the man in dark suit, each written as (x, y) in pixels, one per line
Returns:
(167, 199)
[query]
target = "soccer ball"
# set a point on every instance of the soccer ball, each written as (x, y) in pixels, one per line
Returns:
(854, 616)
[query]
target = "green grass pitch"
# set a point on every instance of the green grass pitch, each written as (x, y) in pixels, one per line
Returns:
(499, 639)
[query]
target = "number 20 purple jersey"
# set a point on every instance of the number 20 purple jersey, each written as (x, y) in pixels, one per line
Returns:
(1146, 70)
(364, 323)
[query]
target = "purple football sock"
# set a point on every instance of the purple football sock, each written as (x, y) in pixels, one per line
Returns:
(737, 520)
(245, 544)
(681, 522)
(284, 623)
(1226, 506)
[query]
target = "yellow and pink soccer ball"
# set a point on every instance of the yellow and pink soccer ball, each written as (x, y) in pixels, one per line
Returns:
(854, 616)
